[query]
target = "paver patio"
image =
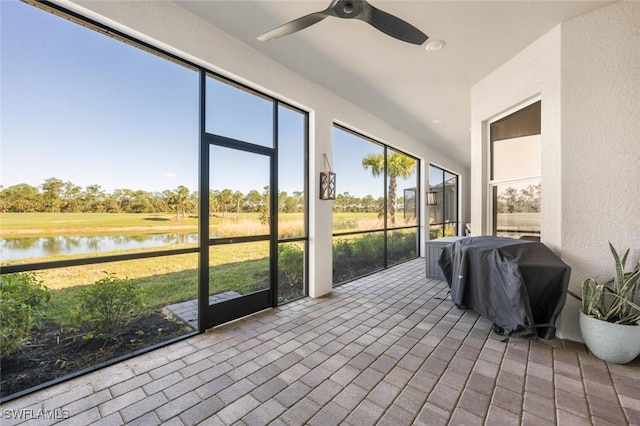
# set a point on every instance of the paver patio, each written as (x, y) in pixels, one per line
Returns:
(389, 348)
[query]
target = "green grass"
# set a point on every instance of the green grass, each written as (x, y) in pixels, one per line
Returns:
(148, 268)
(52, 224)
(166, 289)
(519, 221)
(165, 280)
(44, 224)
(347, 216)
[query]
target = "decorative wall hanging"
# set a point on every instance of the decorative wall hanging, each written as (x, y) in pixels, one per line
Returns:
(327, 180)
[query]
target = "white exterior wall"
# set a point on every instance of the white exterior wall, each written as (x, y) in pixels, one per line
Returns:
(533, 74)
(600, 143)
(171, 28)
(587, 73)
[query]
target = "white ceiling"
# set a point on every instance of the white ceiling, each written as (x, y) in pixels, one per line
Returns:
(426, 95)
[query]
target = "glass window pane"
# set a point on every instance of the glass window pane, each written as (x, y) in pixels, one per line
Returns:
(450, 229)
(410, 206)
(517, 208)
(291, 173)
(237, 113)
(106, 181)
(436, 231)
(436, 184)
(516, 158)
(291, 271)
(443, 215)
(450, 200)
(402, 245)
(401, 175)
(359, 167)
(93, 317)
(357, 255)
(237, 269)
(239, 193)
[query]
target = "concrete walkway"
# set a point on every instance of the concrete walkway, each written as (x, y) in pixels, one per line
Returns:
(388, 349)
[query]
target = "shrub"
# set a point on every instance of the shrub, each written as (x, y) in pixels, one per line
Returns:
(108, 301)
(402, 246)
(22, 301)
(291, 263)
(353, 257)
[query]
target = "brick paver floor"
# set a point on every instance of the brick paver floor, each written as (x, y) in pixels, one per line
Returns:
(387, 349)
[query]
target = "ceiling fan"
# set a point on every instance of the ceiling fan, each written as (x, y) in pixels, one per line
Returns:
(350, 9)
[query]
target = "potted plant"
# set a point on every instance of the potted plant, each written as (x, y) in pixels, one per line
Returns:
(610, 314)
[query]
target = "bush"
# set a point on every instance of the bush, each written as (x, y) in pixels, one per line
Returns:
(108, 301)
(402, 246)
(354, 257)
(22, 301)
(291, 263)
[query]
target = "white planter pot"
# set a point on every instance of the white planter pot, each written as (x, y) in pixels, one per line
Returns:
(610, 342)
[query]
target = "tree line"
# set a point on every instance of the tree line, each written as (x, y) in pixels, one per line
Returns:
(57, 196)
(525, 200)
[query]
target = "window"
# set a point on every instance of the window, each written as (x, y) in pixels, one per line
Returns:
(443, 203)
(292, 203)
(117, 143)
(237, 113)
(515, 179)
(375, 211)
(99, 174)
(102, 168)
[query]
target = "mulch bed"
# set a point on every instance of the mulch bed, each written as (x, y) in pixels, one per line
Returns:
(53, 354)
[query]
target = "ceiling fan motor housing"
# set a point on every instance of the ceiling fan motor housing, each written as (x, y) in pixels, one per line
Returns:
(347, 8)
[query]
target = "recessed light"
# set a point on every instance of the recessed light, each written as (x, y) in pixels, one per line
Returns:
(436, 121)
(434, 45)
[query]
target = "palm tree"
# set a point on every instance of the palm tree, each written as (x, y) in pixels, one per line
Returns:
(397, 165)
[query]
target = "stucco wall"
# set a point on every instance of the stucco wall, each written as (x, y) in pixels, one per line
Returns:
(169, 27)
(600, 142)
(587, 73)
(532, 74)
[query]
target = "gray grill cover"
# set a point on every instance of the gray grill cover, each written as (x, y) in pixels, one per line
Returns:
(521, 286)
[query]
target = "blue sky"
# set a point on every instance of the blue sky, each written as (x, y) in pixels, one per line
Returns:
(351, 177)
(82, 107)
(85, 108)
(79, 106)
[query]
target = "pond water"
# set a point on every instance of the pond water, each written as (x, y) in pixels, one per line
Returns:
(36, 247)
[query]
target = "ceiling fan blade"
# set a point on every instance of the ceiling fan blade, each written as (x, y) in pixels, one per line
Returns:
(293, 26)
(391, 25)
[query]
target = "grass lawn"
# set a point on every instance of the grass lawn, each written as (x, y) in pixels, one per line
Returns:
(59, 223)
(519, 221)
(166, 279)
(46, 224)
(347, 216)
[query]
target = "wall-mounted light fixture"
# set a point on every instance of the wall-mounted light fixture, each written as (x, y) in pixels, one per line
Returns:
(327, 180)
(432, 199)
